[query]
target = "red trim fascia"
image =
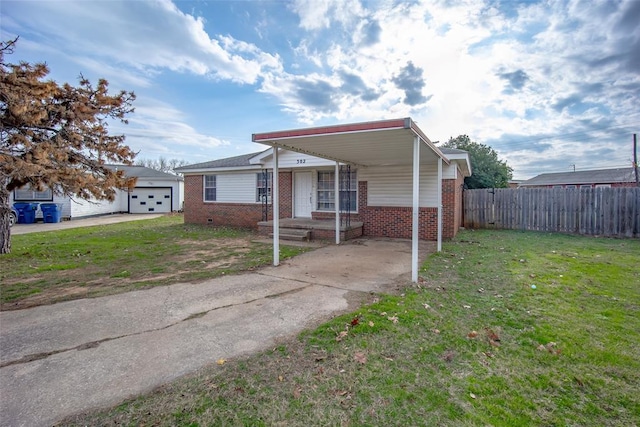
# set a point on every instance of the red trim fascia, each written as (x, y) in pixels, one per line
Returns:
(353, 127)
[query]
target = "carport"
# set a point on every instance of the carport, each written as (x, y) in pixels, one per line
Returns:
(398, 142)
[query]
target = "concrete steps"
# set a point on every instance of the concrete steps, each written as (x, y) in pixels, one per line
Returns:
(297, 234)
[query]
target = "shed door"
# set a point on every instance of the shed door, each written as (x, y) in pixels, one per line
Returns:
(303, 194)
(150, 200)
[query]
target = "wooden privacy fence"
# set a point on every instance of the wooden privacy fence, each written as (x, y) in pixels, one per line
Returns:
(594, 211)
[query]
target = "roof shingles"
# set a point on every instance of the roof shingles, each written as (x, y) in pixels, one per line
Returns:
(600, 176)
(229, 162)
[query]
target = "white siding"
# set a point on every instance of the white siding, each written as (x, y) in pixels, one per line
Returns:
(236, 187)
(65, 201)
(178, 196)
(392, 186)
(449, 171)
(291, 159)
(81, 207)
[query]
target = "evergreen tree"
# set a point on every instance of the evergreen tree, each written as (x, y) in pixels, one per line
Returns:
(55, 136)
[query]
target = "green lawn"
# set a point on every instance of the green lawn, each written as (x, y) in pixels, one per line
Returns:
(506, 329)
(55, 266)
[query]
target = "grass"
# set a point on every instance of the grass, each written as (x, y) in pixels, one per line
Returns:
(54, 266)
(474, 344)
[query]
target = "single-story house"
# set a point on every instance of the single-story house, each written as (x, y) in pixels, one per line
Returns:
(375, 163)
(598, 178)
(154, 192)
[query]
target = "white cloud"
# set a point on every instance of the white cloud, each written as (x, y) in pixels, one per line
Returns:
(502, 72)
(157, 128)
(567, 51)
(319, 14)
(146, 35)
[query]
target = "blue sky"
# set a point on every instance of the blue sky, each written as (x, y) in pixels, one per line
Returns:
(548, 84)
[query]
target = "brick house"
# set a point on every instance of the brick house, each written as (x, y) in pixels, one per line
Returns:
(374, 161)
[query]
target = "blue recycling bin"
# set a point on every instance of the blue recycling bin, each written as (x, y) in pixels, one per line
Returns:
(26, 212)
(51, 212)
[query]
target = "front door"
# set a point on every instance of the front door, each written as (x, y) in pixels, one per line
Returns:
(303, 194)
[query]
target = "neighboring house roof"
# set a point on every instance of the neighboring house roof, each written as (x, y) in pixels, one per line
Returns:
(446, 151)
(229, 162)
(599, 176)
(134, 171)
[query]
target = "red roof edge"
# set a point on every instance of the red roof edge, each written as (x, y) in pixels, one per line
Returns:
(324, 130)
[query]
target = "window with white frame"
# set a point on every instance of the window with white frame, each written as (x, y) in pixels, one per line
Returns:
(326, 192)
(209, 188)
(263, 186)
(27, 193)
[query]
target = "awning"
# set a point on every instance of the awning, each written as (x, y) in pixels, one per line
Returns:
(380, 143)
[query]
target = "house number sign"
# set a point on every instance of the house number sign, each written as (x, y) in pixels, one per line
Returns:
(301, 161)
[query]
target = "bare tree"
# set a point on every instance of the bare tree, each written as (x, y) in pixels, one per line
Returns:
(162, 164)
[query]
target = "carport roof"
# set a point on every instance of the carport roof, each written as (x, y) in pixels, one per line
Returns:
(379, 143)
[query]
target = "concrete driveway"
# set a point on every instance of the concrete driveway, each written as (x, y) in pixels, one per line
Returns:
(39, 227)
(74, 356)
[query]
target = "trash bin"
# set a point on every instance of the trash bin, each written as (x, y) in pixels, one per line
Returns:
(26, 212)
(51, 212)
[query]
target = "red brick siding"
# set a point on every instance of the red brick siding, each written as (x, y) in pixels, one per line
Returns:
(331, 215)
(331, 234)
(379, 221)
(286, 194)
(246, 215)
(623, 184)
(395, 222)
(451, 206)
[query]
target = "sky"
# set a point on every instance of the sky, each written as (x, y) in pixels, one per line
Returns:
(550, 85)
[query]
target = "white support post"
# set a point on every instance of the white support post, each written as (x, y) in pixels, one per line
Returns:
(275, 194)
(415, 232)
(439, 205)
(336, 189)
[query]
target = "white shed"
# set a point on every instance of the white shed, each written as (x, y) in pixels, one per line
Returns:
(155, 192)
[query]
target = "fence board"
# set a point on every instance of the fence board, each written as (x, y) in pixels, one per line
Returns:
(592, 211)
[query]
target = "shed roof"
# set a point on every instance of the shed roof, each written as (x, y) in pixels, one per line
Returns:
(135, 171)
(597, 176)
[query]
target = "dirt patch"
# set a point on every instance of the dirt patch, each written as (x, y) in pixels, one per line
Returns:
(197, 260)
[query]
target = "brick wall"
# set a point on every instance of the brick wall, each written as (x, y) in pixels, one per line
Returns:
(379, 221)
(451, 206)
(395, 222)
(246, 215)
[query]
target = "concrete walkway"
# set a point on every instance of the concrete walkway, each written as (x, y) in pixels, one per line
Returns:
(39, 227)
(74, 356)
